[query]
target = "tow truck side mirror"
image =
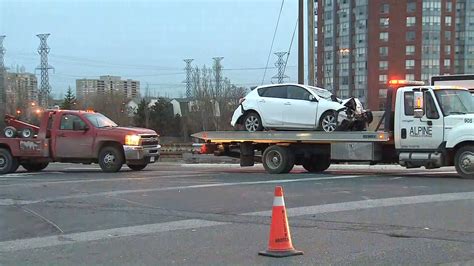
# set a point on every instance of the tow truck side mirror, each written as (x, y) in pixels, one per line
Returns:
(418, 104)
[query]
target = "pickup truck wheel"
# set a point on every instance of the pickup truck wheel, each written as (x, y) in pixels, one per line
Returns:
(34, 167)
(278, 160)
(317, 164)
(137, 167)
(8, 163)
(9, 132)
(464, 162)
(111, 159)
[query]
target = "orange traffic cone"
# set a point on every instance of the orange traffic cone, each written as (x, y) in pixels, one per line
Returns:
(279, 244)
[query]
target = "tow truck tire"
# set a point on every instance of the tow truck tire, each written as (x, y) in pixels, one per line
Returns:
(7, 162)
(278, 160)
(464, 162)
(27, 133)
(317, 164)
(34, 167)
(137, 167)
(9, 132)
(111, 159)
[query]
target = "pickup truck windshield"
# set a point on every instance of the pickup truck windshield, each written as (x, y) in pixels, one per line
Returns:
(455, 101)
(100, 120)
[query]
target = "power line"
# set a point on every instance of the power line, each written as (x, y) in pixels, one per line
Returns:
(291, 44)
(273, 40)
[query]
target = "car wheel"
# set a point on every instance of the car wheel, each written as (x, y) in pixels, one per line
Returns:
(27, 133)
(9, 132)
(111, 159)
(253, 122)
(34, 167)
(328, 121)
(137, 167)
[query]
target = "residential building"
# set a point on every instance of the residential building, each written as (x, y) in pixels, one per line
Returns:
(88, 89)
(362, 44)
(21, 89)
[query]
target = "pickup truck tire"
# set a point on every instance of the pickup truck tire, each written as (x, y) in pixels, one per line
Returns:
(137, 167)
(34, 167)
(111, 159)
(9, 132)
(8, 163)
(317, 164)
(278, 160)
(464, 162)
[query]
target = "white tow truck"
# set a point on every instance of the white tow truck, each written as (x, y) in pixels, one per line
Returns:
(429, 126)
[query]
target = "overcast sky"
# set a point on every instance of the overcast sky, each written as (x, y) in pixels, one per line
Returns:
(147, 40)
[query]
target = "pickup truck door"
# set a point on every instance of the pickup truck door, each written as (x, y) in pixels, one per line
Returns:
(425, 133)
(70, 143)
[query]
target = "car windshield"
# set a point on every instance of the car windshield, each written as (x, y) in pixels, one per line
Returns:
(455, 101)
(100, 120)
(320, 92)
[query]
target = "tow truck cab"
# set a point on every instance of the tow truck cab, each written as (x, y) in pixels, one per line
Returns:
(432, 123)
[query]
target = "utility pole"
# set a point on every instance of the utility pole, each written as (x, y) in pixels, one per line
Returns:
(45, 88)
(311, 42)
(280, 64)
(2, 77)
(188, 69)
(218, 74)
(300, 42)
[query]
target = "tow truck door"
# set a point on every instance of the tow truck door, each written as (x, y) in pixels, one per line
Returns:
(70, 143)
(425, 133)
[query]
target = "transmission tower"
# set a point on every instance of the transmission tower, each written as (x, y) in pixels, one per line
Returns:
(280, 64)
(188, 69)
(218, 73)
(45, 88)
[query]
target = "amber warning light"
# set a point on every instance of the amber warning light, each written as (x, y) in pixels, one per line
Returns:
(405, 82)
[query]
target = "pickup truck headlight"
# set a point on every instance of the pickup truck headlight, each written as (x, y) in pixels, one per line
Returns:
(132, 140)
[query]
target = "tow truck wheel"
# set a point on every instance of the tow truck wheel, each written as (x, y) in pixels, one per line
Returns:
(9, 132)
(137, 167)
(464, 162)
(111, 159)
(317, 164)
(278, 160)
(26, 133)
(7, 162)
(34, 167)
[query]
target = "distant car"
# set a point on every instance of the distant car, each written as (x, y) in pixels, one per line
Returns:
(288, 106)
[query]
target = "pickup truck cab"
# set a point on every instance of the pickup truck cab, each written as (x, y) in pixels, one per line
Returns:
(71, 136)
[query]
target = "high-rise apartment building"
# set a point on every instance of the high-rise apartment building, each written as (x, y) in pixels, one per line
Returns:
(362, 44)
(21, 89)
(87, 89)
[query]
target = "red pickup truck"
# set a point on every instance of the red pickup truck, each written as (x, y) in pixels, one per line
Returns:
(76, 137)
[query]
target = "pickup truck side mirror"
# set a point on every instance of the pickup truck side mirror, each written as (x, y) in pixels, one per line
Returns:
(418, 111)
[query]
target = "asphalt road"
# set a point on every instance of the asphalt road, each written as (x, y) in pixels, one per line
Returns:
(220, 214)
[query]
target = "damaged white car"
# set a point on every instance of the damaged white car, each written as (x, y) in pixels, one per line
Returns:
(298, 107)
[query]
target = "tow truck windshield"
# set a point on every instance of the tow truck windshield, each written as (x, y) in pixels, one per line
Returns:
(455, 101)
(100, 120)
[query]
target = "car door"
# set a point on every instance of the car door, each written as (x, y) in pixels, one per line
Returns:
(421, 133)
(300, 111)
(72, 143)
(271, 105)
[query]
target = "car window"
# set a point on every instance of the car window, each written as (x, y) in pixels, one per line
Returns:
(275, 92)
(67, 122)
(297, 93)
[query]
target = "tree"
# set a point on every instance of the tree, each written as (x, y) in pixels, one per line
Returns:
(69, 102)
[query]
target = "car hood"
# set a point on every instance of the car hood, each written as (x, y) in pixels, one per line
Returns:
(130, 130)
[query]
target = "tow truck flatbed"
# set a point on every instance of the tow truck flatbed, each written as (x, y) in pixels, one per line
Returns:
(292, 136)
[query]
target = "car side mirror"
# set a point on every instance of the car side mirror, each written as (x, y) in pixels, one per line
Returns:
(418, 111)
(311, 98)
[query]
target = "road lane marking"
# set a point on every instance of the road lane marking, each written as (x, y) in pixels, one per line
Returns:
(9, 202)
(128, 231)
(58, 240)
(371, 203)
